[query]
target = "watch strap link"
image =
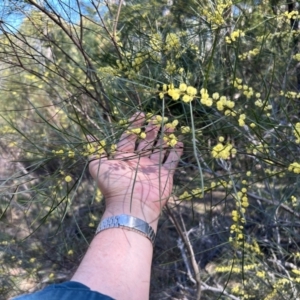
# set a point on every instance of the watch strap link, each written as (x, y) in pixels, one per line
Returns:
(130, 223)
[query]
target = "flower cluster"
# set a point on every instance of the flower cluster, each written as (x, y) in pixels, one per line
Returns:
(292, 15)
(258, 102)
(214, 15)
(294, 201)
(61, 152)
(296, 56)
(261, 148)
(68, 178)
(172, 42)
(247, 91)
(139, 60)
(261, 274)
(237, 228)
(223, 151)
(171, 125)
(297, 132)
(195, 193)
(227, 269)
(98, 196)
(170, 139)
(185, 196)
(159, 119)
(241, 120)
(253, 247)
(282, 33)
(156, 42)
(171, 67)
(71, 154)
(96, 148)
(70, 252)
(237, 83)
(185, 129)
(137, 131)
(205, 98)
(290, 94)
(249, 54)
(132, 63)
(185, 92)
(235, 269)
(222, 102)
(294, 167)
(243, 199)
(234, 36)
(277, 288)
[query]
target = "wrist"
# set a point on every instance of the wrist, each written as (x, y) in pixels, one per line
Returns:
(129, 223)
(139, 210)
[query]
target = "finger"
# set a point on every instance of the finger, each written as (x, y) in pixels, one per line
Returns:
(127, 140)
(161, 146)
(95, 165)
(174, 157)
(151, 132)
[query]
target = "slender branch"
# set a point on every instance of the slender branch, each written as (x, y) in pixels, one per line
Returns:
(189, 248)
(283, 206)
(57, 20)
(112, 36)
(180, 245)
(81, 23)
(218, 290)
(117, 19)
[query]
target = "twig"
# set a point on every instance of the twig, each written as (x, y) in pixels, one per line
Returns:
(112, 36)
(101, 95)
(190, 250)
(185, 260)
(283, 206)
(117, 19)
(83, 113)
(218, 289)
(281, 267)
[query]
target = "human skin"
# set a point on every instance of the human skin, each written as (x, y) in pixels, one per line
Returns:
(138, 183)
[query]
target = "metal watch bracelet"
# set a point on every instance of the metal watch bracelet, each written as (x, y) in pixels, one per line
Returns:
(130, 223)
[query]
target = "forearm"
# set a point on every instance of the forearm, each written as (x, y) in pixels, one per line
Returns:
(118, 261)
(137, 182)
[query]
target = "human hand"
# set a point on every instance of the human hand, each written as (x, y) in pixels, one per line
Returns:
(138, 182)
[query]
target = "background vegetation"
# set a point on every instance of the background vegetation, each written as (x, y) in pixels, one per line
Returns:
(225, 74)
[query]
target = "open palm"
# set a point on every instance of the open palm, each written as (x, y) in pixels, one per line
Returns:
(140, 179)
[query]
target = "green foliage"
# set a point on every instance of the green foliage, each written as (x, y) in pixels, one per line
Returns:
(227, 72)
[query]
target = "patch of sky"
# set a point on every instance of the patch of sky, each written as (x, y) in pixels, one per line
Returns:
(13, 12)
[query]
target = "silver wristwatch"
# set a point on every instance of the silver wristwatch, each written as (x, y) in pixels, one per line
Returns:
(129, 223)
